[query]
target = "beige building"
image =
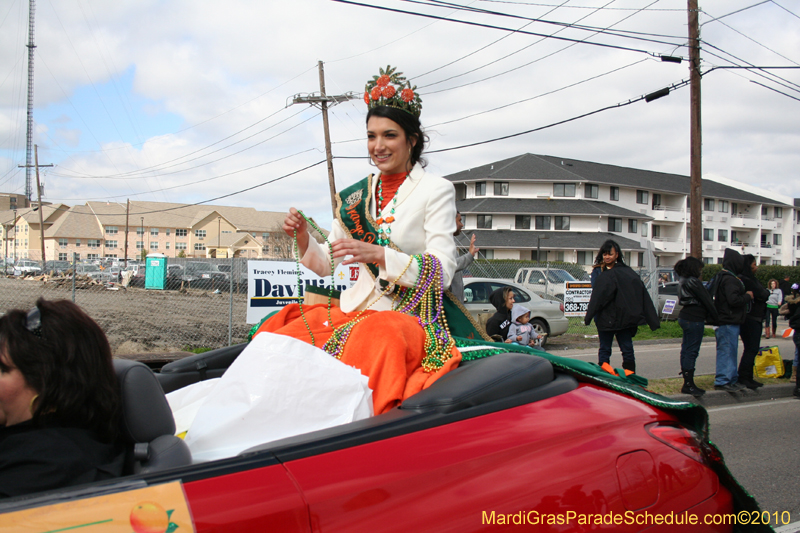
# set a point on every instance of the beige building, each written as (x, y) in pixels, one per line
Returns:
(20, 230)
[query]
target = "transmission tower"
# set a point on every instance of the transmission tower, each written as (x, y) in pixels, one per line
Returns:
(29, 136)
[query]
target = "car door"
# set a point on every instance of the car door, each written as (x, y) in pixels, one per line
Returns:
(476, 296)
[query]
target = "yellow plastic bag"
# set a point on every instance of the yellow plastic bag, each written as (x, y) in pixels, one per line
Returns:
(768, 363)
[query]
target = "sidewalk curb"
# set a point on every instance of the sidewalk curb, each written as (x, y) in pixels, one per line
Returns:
(716, 398)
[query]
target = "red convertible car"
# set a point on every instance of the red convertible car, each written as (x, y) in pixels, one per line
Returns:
(503, 442)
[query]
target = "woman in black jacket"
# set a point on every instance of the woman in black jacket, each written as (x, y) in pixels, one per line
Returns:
(793, 300)
(619, 304)
(750, 331)
(698, 308)
(498, 323)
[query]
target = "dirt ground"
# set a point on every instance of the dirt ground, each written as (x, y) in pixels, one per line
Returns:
(138, 320)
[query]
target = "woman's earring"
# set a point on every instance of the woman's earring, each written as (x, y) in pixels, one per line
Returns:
(32, 401)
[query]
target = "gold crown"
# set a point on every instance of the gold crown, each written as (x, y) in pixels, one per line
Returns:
(392, 89)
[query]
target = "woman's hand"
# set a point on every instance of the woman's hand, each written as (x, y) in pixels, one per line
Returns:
(294, 221)
(360, 251)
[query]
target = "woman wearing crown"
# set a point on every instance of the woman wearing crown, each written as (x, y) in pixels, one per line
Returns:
(398, 227)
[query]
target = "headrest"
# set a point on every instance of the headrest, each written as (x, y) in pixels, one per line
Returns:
(145, 412)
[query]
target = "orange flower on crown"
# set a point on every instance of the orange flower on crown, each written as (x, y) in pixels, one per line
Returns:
(388, 91)
(375, 93)
(366, 97)
(384, 80)
(407, 95)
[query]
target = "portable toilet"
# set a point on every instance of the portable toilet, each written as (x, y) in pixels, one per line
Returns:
(155, 272)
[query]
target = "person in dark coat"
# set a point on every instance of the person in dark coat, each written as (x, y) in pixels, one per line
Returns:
(750, 331)
(497, 325)
(619, 304)
(698, 308)
(793, 300)
(731, 302)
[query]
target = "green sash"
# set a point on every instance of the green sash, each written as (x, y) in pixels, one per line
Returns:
(352, 210)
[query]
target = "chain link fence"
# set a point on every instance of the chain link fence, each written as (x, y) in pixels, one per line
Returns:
(204, 301)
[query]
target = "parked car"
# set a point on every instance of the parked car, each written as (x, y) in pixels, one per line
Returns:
(57, 267)
(509, 439)
(94, 272)
(174, 276)
(668, 291)
(26, 266)
(544, 281)
(239, 275)
(666, 275)
(204, 275)
(547, 316)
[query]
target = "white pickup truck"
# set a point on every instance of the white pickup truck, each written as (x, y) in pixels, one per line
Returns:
(546, 282)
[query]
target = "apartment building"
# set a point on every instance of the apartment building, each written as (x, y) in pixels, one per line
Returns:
(557, 209)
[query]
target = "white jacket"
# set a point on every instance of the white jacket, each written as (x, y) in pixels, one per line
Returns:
(425, 220)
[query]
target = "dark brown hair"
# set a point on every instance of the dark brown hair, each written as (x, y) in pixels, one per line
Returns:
(691, 267)
(67, 360)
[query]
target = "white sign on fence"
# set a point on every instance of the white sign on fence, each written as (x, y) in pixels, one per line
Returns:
(272, 285)
(669, 307)
(576, 297)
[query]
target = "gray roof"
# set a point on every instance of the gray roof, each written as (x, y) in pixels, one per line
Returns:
(528, 206)
(530, 167)
(549, 240)
(77, 223)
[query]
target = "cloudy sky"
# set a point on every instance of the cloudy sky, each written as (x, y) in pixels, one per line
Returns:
(189, 100)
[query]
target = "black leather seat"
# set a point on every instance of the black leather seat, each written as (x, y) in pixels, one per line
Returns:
(148, 426)
(200, 367)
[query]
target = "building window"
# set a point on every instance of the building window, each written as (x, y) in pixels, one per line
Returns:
(62, 256)
(484, 222)
(585, 258)
(140, 245)
(167, 245)
(722, 235)
(180, 232)
(522, 222)
(656, 200)
(778, 214)
(708, 234)
(564, 189)
(154, 245)
(591, 190)
(632, 227)
(92, 256)
(708, 260)
(734, 237)
(614, 224)
(167, 232)
(776, 239)
(199, 246)
(180, 245)
(77, 243)
(480, 188)
(486, 254)
(111, 244)
(642, 197)
(641, 259)
(656, 231)
(63, 243)
(501, 188)
(614, 196)
(723, 206)
(154, 232)
(708, 204)
(562, 223)
(764, 211)
(644, 229)
(543, 222)
(139, 231)
(112, 230)
(200, 234)
(93, 243)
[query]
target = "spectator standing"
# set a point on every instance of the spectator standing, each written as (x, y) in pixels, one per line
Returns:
(794, 322)
(773, 305)
(750, 331)
(786, 288)
(462, 262)
(698, 308)
(619, 304)
(731, 302)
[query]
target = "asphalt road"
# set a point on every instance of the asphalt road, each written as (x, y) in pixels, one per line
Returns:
(760, 443)
(656, 361)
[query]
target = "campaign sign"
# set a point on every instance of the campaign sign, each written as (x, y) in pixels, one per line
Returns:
(272, 285)
(669, 307)
(576, 297)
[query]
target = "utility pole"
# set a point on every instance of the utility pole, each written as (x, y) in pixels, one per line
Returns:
(29, 134)
(322, 99)
(39, 189)
(696, 186)
(127, 215)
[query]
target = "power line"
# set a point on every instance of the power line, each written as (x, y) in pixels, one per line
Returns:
(537, 4)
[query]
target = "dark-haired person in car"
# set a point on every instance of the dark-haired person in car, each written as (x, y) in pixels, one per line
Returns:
(59, 400)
